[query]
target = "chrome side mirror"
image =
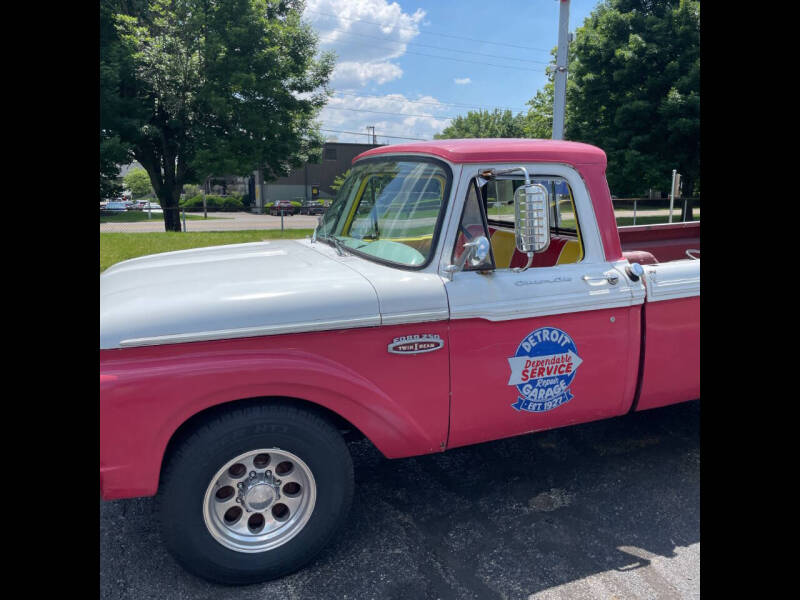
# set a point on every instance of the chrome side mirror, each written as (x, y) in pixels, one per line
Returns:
(531, 219)
(531, 213)
(475, 252)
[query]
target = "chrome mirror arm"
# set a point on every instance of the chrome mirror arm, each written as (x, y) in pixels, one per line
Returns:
(451, 270)
(527, 266)
(478, 249)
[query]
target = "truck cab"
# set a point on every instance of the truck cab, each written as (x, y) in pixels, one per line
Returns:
(417, 207)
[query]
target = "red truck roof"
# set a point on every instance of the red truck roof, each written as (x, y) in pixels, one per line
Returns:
(478, 150)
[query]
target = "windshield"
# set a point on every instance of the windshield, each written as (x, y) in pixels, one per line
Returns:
(389, 209)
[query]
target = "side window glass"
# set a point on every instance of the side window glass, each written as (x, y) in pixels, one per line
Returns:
(566, 245)
(500, 200)
(473, 224)
(566, 207)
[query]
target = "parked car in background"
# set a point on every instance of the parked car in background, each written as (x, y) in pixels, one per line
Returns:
(284, 206)
(312, 207)
(116, 206)
(151, 206)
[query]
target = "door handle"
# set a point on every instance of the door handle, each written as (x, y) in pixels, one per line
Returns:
(611, 278)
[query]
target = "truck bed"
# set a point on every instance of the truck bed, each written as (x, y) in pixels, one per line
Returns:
(666, 241)
(671, 314)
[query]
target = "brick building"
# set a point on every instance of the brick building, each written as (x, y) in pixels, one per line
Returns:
(337, 157)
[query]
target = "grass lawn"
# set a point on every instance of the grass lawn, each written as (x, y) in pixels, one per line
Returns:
(135, 216)
(116, 247)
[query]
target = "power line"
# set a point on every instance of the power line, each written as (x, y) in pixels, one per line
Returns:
(442, 103)
(375, 37)
(474, 62)
(381, 112)
(378, 135)
(439, 34)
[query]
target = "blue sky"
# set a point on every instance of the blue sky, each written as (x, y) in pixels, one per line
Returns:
(387, 60)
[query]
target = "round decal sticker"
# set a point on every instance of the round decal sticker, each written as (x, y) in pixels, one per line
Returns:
(543, 369)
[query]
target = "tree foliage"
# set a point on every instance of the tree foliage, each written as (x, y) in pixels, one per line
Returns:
(339, 180)
(138, 182)
(539, 120)
(115, 110)
(485, 124)
(635, 92)
(112, 153)
(192, 88)
(633, 89)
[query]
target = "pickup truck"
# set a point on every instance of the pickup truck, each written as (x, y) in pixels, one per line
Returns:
(312, 207)
(455, 292)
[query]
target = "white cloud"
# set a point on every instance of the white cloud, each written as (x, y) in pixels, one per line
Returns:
(410, 119)
(462, 80)
(350, 73)
(366, 35)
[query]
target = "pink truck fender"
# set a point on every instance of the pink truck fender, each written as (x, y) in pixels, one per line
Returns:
(166, 386)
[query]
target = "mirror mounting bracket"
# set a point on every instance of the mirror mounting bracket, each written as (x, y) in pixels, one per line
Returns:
(527, 266)
(475, 251)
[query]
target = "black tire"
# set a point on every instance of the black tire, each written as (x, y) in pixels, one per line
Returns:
(225, 436)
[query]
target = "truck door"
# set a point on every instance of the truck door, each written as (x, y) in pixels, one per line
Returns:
(549, 346)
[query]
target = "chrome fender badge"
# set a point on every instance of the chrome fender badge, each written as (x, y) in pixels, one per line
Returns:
(416, 344)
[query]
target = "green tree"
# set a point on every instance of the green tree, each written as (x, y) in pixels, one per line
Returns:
(112, 154)
(138, 182)
(195, 87)
(539, 120)
(485, 124)
(635, 91)
(116, 112)
(190, 190)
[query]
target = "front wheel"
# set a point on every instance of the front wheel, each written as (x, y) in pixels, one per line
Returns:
(255, 493)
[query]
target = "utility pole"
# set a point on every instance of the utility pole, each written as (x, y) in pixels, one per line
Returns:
(560, 96)
(374, 139)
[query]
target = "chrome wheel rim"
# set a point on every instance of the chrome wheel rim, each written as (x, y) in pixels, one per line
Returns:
(259, 500)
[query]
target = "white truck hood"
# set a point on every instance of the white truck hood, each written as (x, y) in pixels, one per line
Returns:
(240, 290)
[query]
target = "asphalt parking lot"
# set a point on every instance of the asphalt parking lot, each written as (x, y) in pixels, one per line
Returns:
(608, 510)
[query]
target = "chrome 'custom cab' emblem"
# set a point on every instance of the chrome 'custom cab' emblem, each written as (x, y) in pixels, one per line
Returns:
(416, 344)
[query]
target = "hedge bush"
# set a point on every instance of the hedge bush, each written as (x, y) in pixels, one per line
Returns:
(268, 205)
(191, 190)
(213, 203)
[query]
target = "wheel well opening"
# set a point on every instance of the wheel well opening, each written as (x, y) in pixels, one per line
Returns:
(349, 431)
